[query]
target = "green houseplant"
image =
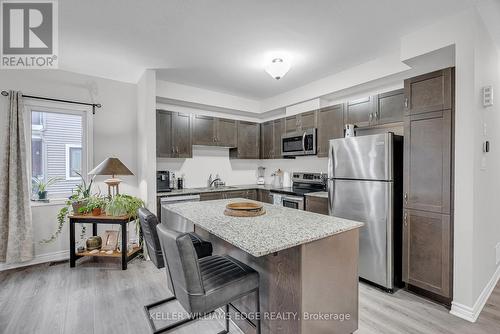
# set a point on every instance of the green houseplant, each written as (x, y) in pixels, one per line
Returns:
(94, 205)
(40, 186)
(121, 205)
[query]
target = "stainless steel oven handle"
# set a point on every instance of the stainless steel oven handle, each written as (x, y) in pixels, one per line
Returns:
(304, 141)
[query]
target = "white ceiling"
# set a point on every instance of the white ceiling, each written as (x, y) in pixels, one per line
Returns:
(223, 45)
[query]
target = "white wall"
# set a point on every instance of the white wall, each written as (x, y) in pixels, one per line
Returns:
(115, 133)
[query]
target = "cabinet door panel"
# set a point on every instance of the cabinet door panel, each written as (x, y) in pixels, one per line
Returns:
(330, 126)
(308, 120)
(361, 112)
(164, 144)
(427, 251)
(429, 92)
(264, 196)
(390, 107)
(251, 194)
(279, 129)
(291, 124)
(204, 130)
(427, 171)
(317, 205)
(248, 141)
(211, 196)
(226, 132)
(267, 143)
(183, 145)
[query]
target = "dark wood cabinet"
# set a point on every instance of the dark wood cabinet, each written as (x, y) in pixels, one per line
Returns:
(390, 108)
(317, 204)
(267, 140)
(427, 254)
(308, 120)
(164, 143)
(428, 185)
(427, 173)
(248, 141)
(429, 92)
(291, 123)
(204, 130)
(362, 112)
(226, 132)
(279, 130)
(211, 196)
(330, 126)
(251, 194)
(173, 135)
(264, 196)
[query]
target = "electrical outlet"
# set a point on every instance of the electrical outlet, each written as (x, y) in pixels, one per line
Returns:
(497, 248)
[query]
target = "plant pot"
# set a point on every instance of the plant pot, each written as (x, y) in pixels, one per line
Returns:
(77, 205)
(42, 195)
(96, 212)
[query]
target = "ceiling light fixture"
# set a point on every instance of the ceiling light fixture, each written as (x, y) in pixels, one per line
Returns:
(278, 68)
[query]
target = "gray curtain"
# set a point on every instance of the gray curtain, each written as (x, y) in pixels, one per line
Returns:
(16, 236)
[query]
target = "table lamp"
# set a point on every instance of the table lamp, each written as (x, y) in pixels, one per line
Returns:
(111, 166)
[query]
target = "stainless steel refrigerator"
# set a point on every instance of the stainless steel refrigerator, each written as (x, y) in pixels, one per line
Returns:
(364, 179)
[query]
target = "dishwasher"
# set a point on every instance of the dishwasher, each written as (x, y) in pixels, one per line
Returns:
(174, 222)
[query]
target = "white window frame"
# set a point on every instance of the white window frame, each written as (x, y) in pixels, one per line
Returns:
(68, 162)
(31, 105)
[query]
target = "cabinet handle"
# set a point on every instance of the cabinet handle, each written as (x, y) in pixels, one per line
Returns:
(405, 219)
(371, 117)
(173, 149)
(406, 102)
(406, 198)
(177, 149)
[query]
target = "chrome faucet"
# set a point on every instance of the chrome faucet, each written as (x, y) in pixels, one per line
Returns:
(216, 182)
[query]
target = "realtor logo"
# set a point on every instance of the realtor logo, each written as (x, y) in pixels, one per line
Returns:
(29, 34)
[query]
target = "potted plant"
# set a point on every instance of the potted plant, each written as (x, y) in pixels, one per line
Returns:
(40, 186)
(81, 193)
(121, 205)
(94, 205)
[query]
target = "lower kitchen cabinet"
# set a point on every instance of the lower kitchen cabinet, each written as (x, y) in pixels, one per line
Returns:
(211, 196)
(427, 258)
(264, 196)
(251, 194)
(317, 204)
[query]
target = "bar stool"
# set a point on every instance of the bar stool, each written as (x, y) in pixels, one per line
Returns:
(203, 285)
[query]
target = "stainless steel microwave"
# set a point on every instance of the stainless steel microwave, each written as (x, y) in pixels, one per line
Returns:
(299, 143)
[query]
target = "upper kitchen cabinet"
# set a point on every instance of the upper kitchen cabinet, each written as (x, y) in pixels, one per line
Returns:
(226, 133)
(204, 130)
(301, 122)
(164, 144)
(248, 141)
(214, 131)
(173, 135)
(267, 140)
(279, 129)
(362, 112)
(429, 92)
(390, 107)
(330, 126)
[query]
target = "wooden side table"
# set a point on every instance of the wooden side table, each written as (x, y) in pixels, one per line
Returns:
(95, 220)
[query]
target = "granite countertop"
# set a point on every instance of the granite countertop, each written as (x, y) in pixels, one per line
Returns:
(191, 191)
(321, 194)
(280, 228)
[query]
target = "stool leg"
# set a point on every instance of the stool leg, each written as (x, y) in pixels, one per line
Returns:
(257, 307)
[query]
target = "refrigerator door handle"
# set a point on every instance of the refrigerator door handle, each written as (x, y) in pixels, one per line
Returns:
(331, 195)
(331, 164)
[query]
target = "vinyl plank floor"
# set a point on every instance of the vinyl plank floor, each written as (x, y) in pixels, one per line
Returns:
(97, 297)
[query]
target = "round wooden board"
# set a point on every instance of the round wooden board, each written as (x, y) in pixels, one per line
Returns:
(244, 213)
(244, 206)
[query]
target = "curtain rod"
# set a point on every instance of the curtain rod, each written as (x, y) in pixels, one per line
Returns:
(93, 105)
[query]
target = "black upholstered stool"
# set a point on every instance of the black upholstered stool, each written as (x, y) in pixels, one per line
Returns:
(203, 285)
(148, 225)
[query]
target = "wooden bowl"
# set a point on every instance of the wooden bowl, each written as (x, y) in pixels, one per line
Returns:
(244, 206)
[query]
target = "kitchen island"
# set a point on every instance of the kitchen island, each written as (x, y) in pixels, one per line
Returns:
(308, 263)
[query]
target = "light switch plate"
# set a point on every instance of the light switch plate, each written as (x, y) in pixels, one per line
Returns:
(487, 96)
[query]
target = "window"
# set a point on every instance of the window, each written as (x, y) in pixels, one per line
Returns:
(59, 147)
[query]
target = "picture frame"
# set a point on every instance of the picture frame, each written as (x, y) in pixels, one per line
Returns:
(110, 240)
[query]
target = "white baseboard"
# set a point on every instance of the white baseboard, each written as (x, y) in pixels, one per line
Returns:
(472, 313)
(48, 257)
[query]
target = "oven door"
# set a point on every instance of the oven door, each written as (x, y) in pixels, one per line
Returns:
(294, 202)
(299, 143)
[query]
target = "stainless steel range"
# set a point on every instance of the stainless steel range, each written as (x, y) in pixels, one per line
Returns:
(303, 183)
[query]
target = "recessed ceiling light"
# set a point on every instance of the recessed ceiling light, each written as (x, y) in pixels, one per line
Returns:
(278, 68)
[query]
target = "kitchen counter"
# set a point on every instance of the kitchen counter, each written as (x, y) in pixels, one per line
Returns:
(320, 194)
(194, 191)
(307, 263)
(280, 228)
